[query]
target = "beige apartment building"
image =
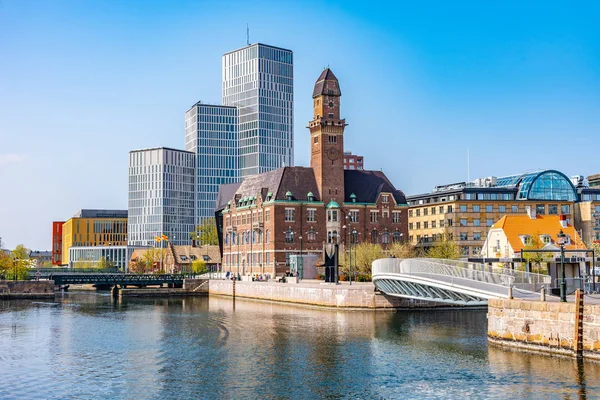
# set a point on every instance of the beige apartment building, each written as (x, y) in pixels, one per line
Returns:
(468, 210)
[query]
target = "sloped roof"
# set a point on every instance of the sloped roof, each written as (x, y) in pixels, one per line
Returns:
(298, 180)
(225, 194)
(213, 253)
(367, 185)
(320, 86)
(517, 225)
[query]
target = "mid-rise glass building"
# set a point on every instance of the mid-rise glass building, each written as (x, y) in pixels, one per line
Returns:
(161, 196)
(211, 133)
(259, 80)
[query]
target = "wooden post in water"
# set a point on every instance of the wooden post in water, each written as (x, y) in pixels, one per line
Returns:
(115, 291)
(578, 336)
(235, 279)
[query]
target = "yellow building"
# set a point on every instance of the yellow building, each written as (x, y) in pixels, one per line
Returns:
(90, 228)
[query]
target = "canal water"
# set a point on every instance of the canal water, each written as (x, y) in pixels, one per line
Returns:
(89, 346)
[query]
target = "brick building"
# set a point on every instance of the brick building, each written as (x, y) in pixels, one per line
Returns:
(292, 210)
(353, 161)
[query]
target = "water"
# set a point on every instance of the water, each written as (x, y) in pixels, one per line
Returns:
(86, 346)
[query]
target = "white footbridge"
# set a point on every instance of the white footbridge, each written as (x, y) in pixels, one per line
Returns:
(454, 282)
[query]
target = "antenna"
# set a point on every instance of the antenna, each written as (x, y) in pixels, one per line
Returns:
(247, 35)
(468, 167)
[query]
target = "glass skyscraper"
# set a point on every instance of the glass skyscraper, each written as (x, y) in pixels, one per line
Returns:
(211, 133)
(161, 196)
(259, 80)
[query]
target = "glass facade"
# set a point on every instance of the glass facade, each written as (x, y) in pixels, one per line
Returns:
(211, 133)
(259, 80)
(161, 196)
(546, 185)
(89, 257)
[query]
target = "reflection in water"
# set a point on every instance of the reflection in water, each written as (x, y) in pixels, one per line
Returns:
(92, 346)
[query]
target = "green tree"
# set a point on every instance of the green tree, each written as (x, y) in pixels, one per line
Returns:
(20, 264)
(366, 253)
(199, 267)
(153, 258)
(403, 250)
(137, 266)
(537, 258)
(206, 233)
(6, 264)
(445, 248)
(105, 263)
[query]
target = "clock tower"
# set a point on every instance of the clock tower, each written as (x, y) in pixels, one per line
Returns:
(327, 138)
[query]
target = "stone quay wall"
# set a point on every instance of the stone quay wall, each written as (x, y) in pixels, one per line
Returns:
(548, 327)
(26, 289)
(360, 296)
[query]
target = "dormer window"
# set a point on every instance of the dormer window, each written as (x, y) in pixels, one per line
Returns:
(546, 239)
(289, 195)
(526, 239)
(385, 198)
(310, 196)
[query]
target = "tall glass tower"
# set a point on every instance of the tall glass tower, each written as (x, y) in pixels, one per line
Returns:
(259, 80)
(211, 133)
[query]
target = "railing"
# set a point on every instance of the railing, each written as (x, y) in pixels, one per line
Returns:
(459, 273)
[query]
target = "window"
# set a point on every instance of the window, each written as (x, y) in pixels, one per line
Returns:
(545, 239)
(552, 209)
(493, 196)
(267, 215)
(489, 222)
(464, 251)
(374, 217)
(476, 235)
(385, 214)
(449, 222)
(289, 235)
(410, 213)
(397, 237)
(289, 214)
(565, 209)
(418, 210)
(476, 250)
(540, 209)
(311, 215)
(464, 236)
(489, 208)
(463, 208)
(526, 239)
(395, 217)
(385, 198)
(449, 209)
(433, 224)
(432, 210)
(410, 226)
(515, 209)
(374, 237)
(463, 222)
(418, 225)
(267, 236)
(354, 216)
(332, 139)
(426, 225)
(316, 140)
(502, 209)
(425, 211)
(476, 208)
(441, 209)
(332, 215)
(385, 237)
(477, 222)
(441, 223)
(311, 235)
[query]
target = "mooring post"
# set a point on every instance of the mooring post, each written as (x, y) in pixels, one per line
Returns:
(510, 292)
(115, 291)
(543, 294)
(234, 288)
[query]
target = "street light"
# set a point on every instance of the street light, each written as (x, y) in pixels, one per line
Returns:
(563, 282)
(355, 240)
(301, 264)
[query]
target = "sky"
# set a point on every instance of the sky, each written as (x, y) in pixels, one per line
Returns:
(516, 85)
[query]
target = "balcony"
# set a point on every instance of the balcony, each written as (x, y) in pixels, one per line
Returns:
(258, 225)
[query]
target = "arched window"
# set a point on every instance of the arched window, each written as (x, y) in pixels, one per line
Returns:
(254, 237)
(374, 236)
(329, 237)
(311, 235)
(397, 237)
(289, 235)
(227, 238)
(354, 236)
(233, 237)
(385, 237)
(268, 236)
(260, 236)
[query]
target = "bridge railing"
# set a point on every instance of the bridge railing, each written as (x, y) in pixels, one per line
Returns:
(448, 270)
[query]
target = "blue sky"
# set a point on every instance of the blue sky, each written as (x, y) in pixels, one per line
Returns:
(84, 82)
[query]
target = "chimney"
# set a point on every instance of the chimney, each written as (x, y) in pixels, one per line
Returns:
(563, 220)
(530, 212)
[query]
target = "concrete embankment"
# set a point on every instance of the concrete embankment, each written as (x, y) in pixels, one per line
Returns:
(26, 289)
(191, 287)
(356, 296)
(570, 329)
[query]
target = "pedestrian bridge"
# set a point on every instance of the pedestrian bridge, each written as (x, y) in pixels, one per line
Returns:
(453, 282)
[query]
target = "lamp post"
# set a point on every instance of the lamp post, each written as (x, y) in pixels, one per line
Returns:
(563, 282)
(301, 263)
(354, 240)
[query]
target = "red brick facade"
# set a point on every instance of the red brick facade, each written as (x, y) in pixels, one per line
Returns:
(293, 209)
(57, 242)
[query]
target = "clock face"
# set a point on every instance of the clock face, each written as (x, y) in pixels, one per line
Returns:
(331, 104)
(332, 153)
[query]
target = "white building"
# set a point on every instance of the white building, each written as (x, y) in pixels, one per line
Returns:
(259, 80)
(91, 256)
(211, 133)
(161, 196)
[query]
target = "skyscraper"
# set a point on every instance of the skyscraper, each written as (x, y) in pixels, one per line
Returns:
(161, 196)
(211, 133)
(259, 80)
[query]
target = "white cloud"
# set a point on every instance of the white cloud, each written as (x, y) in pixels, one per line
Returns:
(11, 158)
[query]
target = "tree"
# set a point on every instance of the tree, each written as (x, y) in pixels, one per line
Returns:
(403, 250)
(366, 253)
(20, 263)
(105, 263)
(206, 233)
(154, 257)
(445, 248)
(137, 266)
(6, 264)
(536, 258)
(199, 267)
